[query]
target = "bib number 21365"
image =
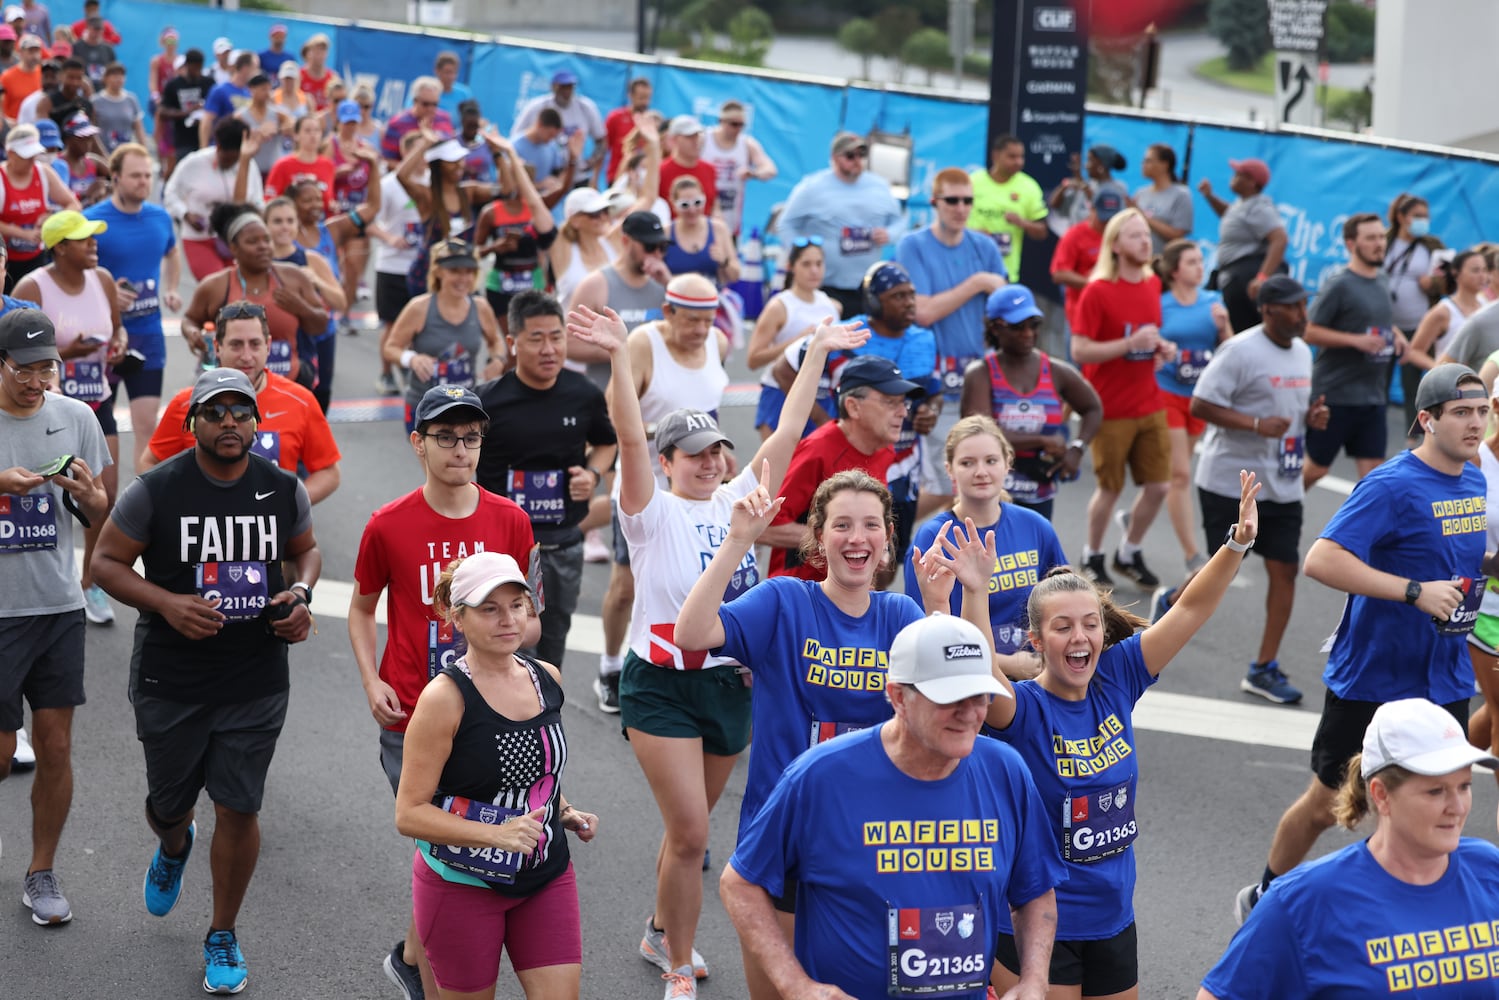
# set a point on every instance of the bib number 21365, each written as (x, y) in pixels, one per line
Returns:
(934, 950)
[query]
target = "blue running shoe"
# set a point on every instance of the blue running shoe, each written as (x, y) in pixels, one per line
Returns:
(223, 963)
(1161, 603)
(1269, 683)
(163, 883)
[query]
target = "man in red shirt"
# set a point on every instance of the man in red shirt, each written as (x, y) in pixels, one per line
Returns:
(405, 547)
(873, 400)
(292, 430)
(1077, 251)
(1117, 340)
(619, 122)
(686, 161)
(91, 9)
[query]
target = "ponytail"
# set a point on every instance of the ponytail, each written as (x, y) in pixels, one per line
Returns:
(1351, 803)
(1118, 624)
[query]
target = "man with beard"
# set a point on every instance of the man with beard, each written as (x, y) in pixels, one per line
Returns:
(209, 677)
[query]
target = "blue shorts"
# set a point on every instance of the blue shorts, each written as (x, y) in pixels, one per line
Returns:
(144, 384)
(768, 410)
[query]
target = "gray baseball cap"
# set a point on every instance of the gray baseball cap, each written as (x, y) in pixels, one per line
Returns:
(442, 400)
(217, 381)
(690, 431)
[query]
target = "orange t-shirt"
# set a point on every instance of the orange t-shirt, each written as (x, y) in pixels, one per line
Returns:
(18, 85)
(292, 427)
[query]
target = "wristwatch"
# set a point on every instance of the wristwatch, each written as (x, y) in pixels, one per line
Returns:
(1228, 540)
(1078, 444)
(299, 585)
(1412, 592)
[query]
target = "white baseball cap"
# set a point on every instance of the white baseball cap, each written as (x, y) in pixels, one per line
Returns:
(221, 45)
(1420, 737)
(586, 200)
(947, 659)
(478, 576)
(449, 151)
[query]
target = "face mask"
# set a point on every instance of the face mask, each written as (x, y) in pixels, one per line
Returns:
(1420, 226)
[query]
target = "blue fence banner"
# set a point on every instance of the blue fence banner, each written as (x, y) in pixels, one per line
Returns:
(388, 60)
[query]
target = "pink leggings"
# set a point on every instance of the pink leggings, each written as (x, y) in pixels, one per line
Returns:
(464, 928)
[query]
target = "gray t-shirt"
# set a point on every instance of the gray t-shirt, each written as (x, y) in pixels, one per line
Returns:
(1253, 375)
(44, 581)
(1476, 339)
(1353, 304)
(1243, 228)
(271, 149)
(116, 118)
(1172, 206)
(132, 511)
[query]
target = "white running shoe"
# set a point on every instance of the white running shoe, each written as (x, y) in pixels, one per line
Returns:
(24, 758)
(96, 606)
(653, 949)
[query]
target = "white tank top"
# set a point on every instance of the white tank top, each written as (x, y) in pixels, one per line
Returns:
(799, 316)
(674, 386)
(568, 280)
(729, 166)
(1455, 318)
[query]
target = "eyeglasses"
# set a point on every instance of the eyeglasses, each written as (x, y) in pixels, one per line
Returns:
(854, 154)
(30, 376)
(807, 241)
(216, 413)
(953, 199)
(687, 203)
(449, 440)
(241, 310)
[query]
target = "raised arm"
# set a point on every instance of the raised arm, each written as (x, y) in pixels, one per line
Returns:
(606, 331)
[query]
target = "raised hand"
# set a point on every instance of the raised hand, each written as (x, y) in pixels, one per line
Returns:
(604, 330)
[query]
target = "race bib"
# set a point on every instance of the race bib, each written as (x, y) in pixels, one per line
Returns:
(542, 495)
(28, 523)
(22, 245)
(413, 234)
(1004, 241)
(513, 282)
(1023, 489)
(280, 359)
(1022, 417)
(238, 587)
(1098, 825)
(445, 646)
(746, 575)
(1465, 616)
(454, 369)
(1291, 457)
(1129, 329)
(856, 240)
(950, 368)
(84, 380)
(934, 950)
(824, 731)
(1387, 352)
(488, 863)
(1189, 366)
(267, 444)
(147, 300)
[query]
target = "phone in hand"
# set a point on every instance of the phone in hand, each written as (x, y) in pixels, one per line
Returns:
(56, 467)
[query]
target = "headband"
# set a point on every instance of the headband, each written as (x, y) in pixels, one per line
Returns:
(685, 301)
(240, 222)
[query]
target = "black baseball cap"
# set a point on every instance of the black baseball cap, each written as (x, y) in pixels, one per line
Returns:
(28, 336)
(1280, 289)
(879, 374)
(442, 400)
(645, 227)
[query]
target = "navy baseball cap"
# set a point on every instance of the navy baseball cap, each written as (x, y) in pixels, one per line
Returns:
(1013, 304)
(877, 373)
(442, 400)
(1108, 203)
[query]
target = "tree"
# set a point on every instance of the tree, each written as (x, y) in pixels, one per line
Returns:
(927, 49)
(1243, 26)
(750, 35)
(896, 23)
(860, 36)
(1350, 32)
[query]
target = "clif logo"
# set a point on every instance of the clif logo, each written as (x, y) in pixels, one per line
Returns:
(1056, 19)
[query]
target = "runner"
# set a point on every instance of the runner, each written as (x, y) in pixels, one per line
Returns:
(1416, 878)
(792, 313)
(1073, 726)
(925, 768)
(1027, 393)
(403, 550)
(1420, 515)
(465, 785)
(787, 631)
(978, 459)
(209, 675)
(293, 432)
(41, 604)
(554, 467)
(686, 715)
(518, 229)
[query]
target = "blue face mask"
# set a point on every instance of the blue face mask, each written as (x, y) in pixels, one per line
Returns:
(1420, 226)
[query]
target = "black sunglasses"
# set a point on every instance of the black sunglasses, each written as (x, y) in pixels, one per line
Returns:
(953, 199)
(242, 413)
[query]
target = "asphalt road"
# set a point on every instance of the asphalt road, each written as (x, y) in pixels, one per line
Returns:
(332, 891)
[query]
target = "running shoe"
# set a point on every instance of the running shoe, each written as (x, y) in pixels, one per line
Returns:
(43, 895)
(96, 606)
(403, 975)
(653, 949)
(385, 384)
(24, 759)
(607, 689)
(162, 885)
(680, 985)
(1244, 902)
(223, 963)
(1196, 562)
(1136, 571)
(1160, 602)
(1269, 683)
(594, 548)
(1093, 569)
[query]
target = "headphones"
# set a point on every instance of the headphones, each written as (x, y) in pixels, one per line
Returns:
(879, 279)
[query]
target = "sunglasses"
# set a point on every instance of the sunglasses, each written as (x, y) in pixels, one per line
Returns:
(854, 154)
(807, 241)
(242, 310)
(953, 199)
(687, 203)
(216, 413)
(659, 248)
(731, 123)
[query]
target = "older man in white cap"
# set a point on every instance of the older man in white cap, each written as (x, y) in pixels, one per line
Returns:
(908, 841)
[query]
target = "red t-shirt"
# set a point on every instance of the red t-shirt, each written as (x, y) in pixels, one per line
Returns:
(292, 428)
(1077, 250)
(1112, 310)
(405, 547)
(617, 124)
(705, 173)
(316, 88)
(817, 456)
(289, 170)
